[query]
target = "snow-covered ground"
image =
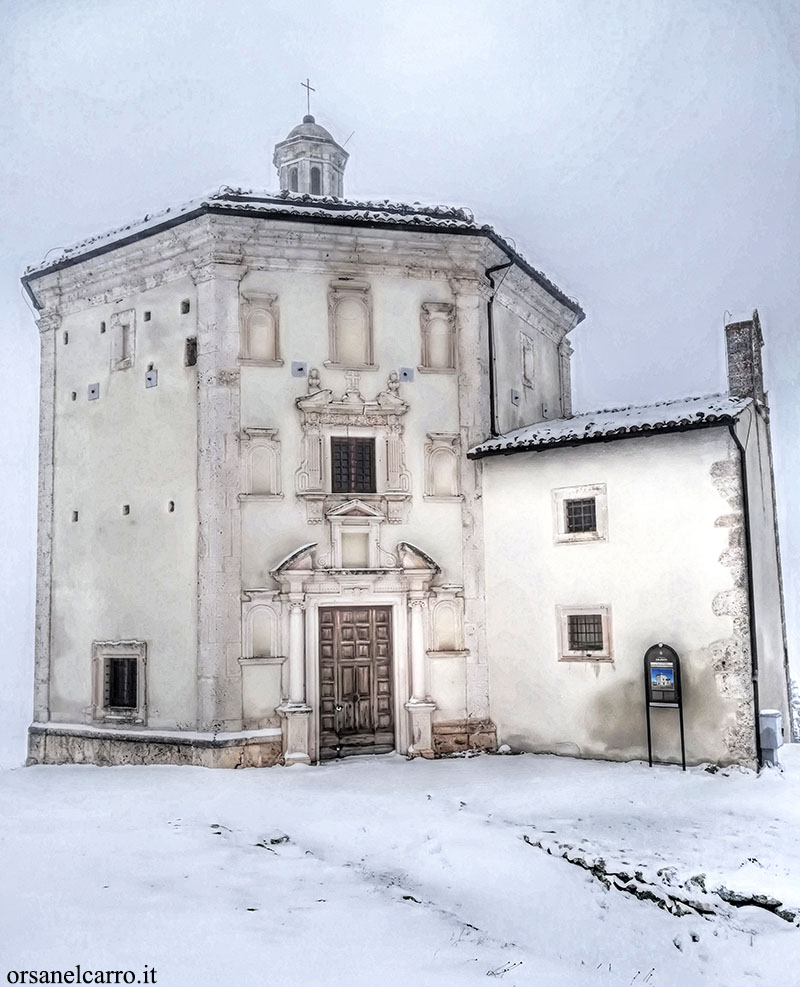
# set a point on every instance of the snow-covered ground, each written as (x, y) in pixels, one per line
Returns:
(392, 872)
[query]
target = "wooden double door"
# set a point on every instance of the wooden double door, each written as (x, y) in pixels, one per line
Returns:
(356, 702)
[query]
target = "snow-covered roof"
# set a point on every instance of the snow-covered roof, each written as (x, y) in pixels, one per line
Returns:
(614, 423)
(302, 207)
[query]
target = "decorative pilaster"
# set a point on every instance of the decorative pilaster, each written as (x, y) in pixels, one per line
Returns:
(420, 707)
(49, 323)
(219, 702)
(474, 426)
(565, 351)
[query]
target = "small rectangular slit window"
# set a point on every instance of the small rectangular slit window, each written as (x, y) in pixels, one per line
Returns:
(126, 508)
(102, 327)
(185, 306)
(74, 515)
(147, 316)
(581, 515)
(190, 353)
(66, 338)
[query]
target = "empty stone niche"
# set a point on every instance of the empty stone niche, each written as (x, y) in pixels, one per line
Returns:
(259, 326)
(442, 460)
(262, 667)
(437, 324)
(350, 324)
(261, 455)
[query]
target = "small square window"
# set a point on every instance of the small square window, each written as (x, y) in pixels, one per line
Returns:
(352, 465)
(585, 633)
(580, 514)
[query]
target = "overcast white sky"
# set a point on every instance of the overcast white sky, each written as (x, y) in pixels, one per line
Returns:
(645, 155)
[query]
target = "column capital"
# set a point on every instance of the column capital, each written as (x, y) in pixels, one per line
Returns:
(417, 604)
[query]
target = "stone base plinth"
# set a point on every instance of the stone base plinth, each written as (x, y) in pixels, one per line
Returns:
(421, 737)
(295, 720)
(454, 736)
(54, 744)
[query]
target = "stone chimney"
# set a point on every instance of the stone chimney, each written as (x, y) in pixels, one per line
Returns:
(743, 343)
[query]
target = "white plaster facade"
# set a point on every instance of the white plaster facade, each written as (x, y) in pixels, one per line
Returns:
(196, 373)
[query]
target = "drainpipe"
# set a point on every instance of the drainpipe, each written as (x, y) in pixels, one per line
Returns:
(492, 362)
(751, 601)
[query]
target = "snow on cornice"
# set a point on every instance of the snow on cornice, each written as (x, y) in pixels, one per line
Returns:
(293, 205)
(611, 423)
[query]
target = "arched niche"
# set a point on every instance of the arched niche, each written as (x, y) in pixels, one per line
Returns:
(437, 323)
(442, 454)
(261, 464)
(259, 329)
(262, 632)
(350, 317)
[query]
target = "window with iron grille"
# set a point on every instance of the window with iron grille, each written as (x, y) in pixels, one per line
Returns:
(585, 632)
(121, 680)
(581, 515)
(352, 465)
(119, 675)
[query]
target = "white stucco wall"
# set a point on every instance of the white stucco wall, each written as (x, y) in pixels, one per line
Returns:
(668, 572)
(129, 576)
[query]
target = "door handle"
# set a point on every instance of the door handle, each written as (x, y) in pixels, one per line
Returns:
(339, 708)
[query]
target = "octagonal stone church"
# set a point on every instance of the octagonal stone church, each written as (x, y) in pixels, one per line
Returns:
(275, 525)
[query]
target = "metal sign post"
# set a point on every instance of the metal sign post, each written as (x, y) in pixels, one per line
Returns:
(662, 687)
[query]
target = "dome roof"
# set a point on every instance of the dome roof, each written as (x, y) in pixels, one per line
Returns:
(311, 129)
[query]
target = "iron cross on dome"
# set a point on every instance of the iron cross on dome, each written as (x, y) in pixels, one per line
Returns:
(309, 89)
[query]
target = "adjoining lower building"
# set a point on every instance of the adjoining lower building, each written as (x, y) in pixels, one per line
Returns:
(261, 536)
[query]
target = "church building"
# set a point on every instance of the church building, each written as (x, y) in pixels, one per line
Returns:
(311, 486)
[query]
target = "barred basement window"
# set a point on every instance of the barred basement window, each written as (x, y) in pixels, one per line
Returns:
(118, 674)
(581, 515)
(121, 690)
(585, 633)
(352, 465)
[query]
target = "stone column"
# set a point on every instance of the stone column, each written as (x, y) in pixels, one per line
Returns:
(49, 324)
(471, 297)
(418, 690)
(297, 654)
(219, 695)
(419, 705)
(296, 713)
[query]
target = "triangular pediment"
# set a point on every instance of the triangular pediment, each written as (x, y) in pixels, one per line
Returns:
(355, 508)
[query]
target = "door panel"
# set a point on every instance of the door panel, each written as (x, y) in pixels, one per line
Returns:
(356, 710)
